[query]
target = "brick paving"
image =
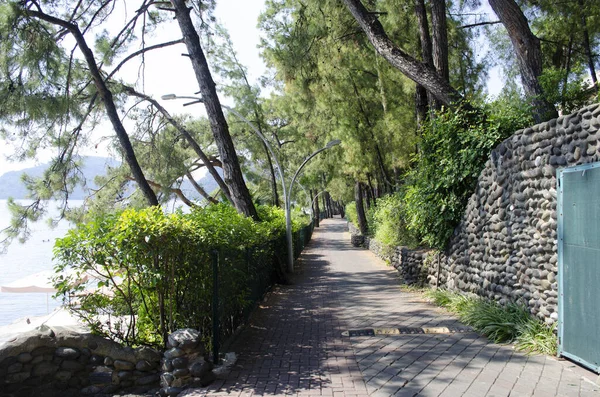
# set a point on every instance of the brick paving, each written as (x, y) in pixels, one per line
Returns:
(294, 344)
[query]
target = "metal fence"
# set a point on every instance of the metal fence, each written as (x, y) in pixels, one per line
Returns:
(255, 269)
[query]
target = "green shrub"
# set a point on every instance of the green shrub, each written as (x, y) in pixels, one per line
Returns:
(152, 271)
(454, 148)
(570, 97)
(388, 224)
(537, 337)
(438, 297)
(499, 323)
(351, 214)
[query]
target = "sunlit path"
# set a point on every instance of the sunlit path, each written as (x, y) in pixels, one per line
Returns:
(294, 345)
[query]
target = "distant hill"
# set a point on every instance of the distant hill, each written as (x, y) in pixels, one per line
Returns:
(12, 186)
(207, 182)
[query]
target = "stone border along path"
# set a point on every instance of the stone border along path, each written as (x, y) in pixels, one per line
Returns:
(294, 343)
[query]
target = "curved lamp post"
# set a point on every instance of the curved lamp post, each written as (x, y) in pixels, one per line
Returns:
(286, 193)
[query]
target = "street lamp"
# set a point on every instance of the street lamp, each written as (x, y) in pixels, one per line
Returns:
(286, 193)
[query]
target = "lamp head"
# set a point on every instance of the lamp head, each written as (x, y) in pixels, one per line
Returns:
(333, 143)
(166, 97)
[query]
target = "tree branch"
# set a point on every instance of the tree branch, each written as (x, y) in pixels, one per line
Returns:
(417, 71)
(173, 190)
(200, 189)
(142, 51)
(473, 25)
(187, 136)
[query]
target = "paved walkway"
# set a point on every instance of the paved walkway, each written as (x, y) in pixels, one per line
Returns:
(294, 344)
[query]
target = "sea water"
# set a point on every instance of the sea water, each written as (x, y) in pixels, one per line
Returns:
(22, 260)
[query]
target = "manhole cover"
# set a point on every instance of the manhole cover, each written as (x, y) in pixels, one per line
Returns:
(406, 331)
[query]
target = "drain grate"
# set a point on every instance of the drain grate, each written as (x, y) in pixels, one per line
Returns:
(406, 331)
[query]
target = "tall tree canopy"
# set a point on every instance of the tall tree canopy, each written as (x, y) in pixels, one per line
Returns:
(60, 75)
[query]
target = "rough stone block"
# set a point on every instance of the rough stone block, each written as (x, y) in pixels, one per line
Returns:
(122, 365)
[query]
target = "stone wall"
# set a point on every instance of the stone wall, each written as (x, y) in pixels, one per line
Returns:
(60, 362)
(505, 248)
(183, 364)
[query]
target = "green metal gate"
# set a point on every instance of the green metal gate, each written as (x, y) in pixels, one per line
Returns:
(579, 264)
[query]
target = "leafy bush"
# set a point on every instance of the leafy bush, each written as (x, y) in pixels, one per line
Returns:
(152, 272)
(388, 224)
(439, 297)
(454, 148)
(351, 214)
(567, 96)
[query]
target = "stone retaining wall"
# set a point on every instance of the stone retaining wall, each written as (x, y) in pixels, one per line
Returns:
(183, 364)
(505, 248)
(53, 362)
(60, 362)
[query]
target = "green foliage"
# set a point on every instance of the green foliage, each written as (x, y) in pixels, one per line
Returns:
(454, 148)
(149, 273)
(537, 337)
(508, 323)
(351, 214)
(438, 297)
(498, 323)
(337, 86)
(568, 94)
(387, 222)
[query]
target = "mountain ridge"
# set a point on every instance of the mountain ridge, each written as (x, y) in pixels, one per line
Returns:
(11, 184)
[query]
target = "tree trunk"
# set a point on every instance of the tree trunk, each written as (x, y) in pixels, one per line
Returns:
(325, 215)
(188, 137)
(588, 48)
(273, 179)
(200, 189)
(360, 210)
(397, 177)
(424, 99)
(317, 212)
(440, 38)
(424, 36)
(231, 168)
(380, 83)
(567, 71)
(421, 106)
(529, 56)
(371, 190)
(419, 72)
(109, 104)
